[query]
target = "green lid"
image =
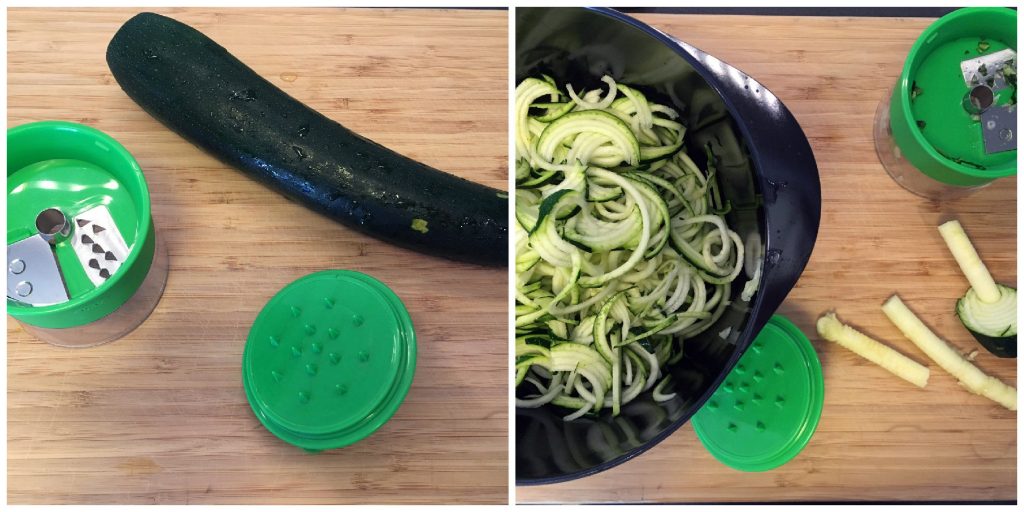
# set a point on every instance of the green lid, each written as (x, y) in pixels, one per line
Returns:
(933, 122)
(329, 359)
(767, 408)
(97, 190)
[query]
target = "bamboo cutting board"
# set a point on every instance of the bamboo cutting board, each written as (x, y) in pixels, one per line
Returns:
(160, 416)
(880, 439)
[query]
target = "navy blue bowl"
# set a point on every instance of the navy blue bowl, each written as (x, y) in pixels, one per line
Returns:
(766, 169)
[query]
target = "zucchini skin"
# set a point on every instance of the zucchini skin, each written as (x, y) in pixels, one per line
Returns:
(1005, 347)
(195, 87)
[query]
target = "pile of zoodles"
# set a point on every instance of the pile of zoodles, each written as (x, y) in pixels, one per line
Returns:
(621, 248)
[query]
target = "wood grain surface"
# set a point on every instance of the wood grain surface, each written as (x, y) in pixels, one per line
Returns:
(880, 439)
(160, 416)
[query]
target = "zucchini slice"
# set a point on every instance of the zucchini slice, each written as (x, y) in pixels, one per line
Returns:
(601, 126)
(993, 324)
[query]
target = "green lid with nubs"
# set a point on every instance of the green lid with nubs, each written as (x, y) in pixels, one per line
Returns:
(766, 410)
(329, 359)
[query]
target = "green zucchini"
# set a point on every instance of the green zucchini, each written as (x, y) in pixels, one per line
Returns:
(195, 87)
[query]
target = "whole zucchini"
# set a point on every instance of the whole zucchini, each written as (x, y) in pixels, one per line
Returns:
(195, 87)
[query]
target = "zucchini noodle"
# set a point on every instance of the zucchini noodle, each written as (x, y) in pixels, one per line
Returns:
(622, 250)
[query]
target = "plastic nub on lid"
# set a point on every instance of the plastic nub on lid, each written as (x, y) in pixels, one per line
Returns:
(329, 359)
(768, 407)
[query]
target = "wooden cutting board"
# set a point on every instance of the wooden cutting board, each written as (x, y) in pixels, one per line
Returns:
(880, 439)
(160, 416)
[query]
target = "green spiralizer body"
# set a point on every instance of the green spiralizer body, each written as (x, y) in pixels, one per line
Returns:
(85, 265)
(949, 126)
